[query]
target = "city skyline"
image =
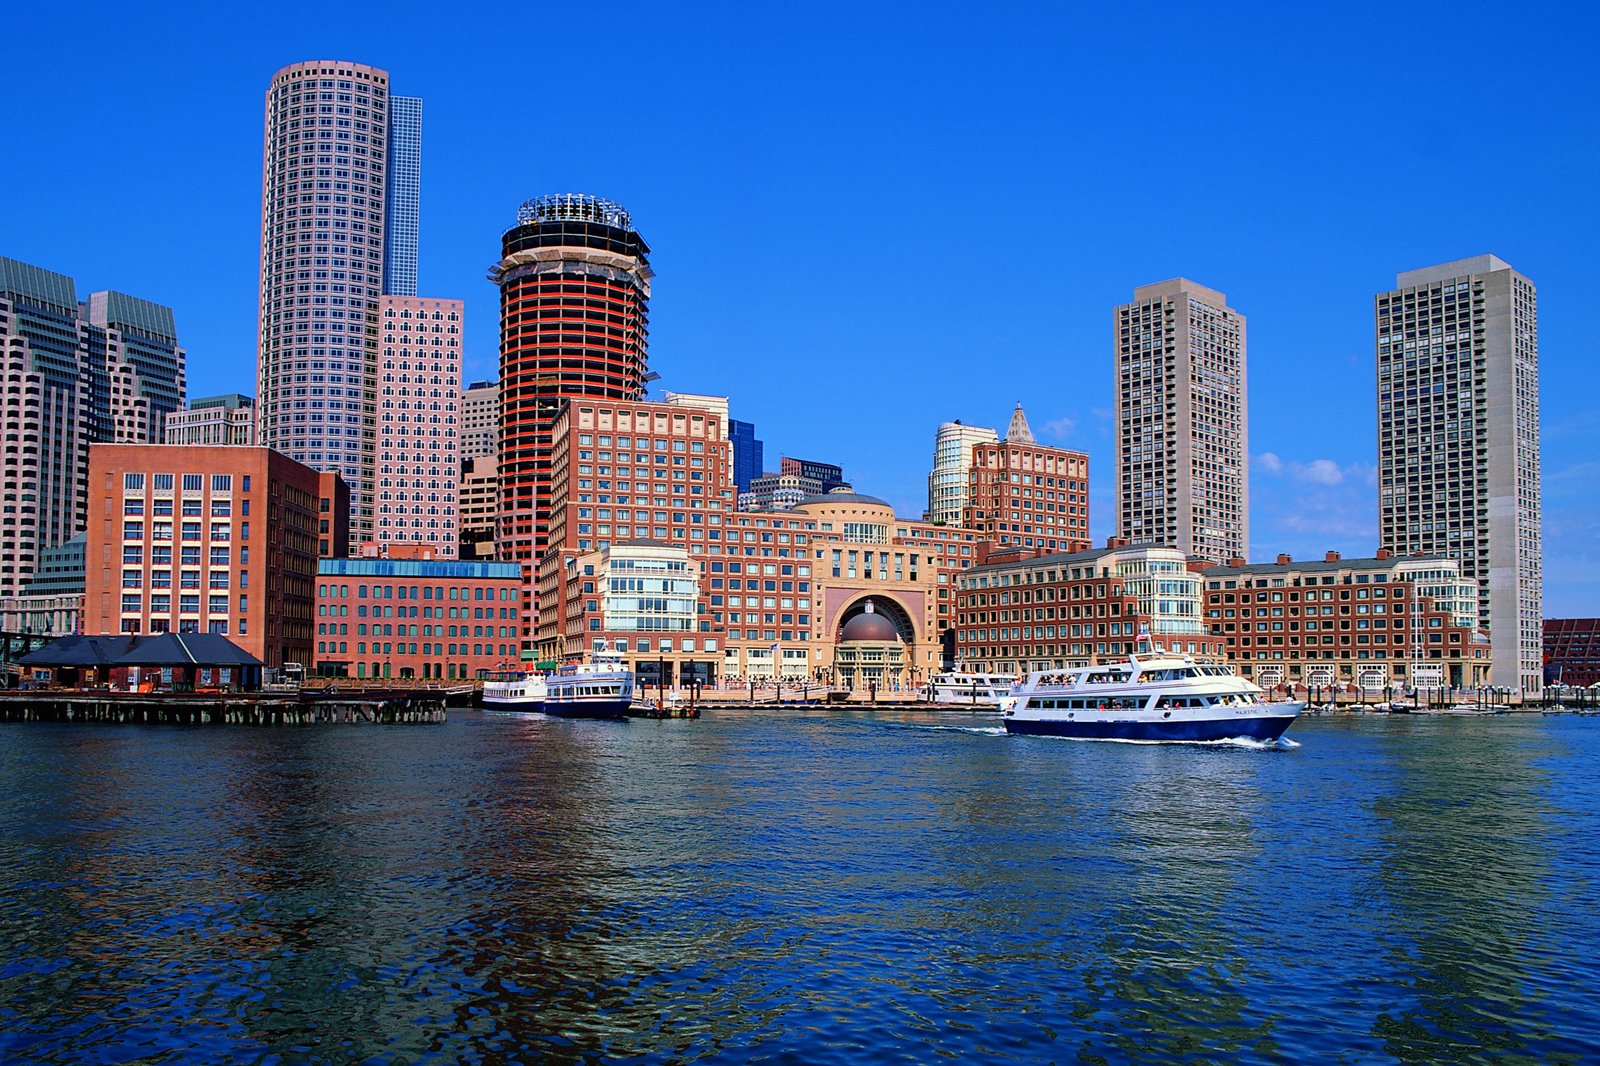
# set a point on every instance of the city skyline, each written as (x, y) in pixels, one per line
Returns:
(1295, 198)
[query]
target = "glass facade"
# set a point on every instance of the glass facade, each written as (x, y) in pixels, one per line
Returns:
(404, 196)
(747, 452)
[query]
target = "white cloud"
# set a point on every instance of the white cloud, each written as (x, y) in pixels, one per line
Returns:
(1322, 472)
(1060, 428)
(1269, 463)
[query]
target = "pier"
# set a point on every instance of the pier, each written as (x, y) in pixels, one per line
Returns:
(372, 707)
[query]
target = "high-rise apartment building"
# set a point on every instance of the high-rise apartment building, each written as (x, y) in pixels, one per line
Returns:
(574, 281)
(419, 462)
(952, 461)
(1458, 442)
(1022, 494)
(747, 452)
(108, 369)
(1182, 458)
(135, 364)
(480, 420)
(228, 419)
(403, 196)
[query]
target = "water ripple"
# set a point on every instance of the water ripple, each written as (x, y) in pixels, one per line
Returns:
(807, 886)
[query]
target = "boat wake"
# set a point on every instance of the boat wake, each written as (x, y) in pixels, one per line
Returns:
(975, 730)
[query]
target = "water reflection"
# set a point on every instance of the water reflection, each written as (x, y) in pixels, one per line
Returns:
(1464, 865)
(828, 885)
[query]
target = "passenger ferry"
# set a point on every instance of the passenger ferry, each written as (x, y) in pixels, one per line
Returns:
(1149, 698)
(514, 690)
(599, 688)
(984, 690)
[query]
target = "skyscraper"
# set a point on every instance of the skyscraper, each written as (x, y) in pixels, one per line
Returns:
(403, 192)
(108, 369)
(340, 173)
(952, 461)
(1182, 460)
(419, 463)
(1458, 442)
(747, 452)
(574, 278)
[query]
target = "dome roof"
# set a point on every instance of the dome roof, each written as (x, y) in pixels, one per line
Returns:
(842, 494)
(869, 626)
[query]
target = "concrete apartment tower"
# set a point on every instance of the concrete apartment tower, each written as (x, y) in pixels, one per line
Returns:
(1458, 442)
(574, 278)
(1183, 445)
(952, 462)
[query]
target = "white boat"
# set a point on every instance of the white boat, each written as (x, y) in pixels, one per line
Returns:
(1149, 698)
(514, 690)
(599, 688)
(983, 690)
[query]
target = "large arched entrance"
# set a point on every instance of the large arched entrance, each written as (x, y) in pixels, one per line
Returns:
(870, 650)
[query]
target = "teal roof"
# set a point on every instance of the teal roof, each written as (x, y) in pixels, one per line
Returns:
(458, 569)
(38, 286)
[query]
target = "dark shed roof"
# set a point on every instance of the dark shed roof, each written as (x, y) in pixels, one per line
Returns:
(161, 649)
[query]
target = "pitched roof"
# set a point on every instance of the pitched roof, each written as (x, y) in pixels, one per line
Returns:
(162, 649)
(78, 650)
(1018, 432)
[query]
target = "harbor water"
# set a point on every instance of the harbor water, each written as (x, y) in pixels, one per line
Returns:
(820, 885)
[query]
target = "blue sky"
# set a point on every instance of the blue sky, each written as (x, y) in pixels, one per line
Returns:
(867, 219)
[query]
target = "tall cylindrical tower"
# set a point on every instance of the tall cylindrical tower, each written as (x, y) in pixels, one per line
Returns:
(322, 229)
(574, 281)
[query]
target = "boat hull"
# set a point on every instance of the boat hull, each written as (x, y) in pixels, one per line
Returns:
(523, 706)
(1262, 727)
(587, 708)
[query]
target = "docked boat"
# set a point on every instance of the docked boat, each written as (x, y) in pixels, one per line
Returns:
(599, 688)
(514, 690)
(991, 690)
(1160, 697)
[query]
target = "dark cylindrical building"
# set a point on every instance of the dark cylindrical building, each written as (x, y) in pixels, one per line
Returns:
(574, 281)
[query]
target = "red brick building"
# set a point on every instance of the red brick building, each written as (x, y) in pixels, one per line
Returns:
(1389, 620)
(625, 471)
(212, 539)
(1572, 651)
(1022, 611)
(1028, 495)
(415, 617)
